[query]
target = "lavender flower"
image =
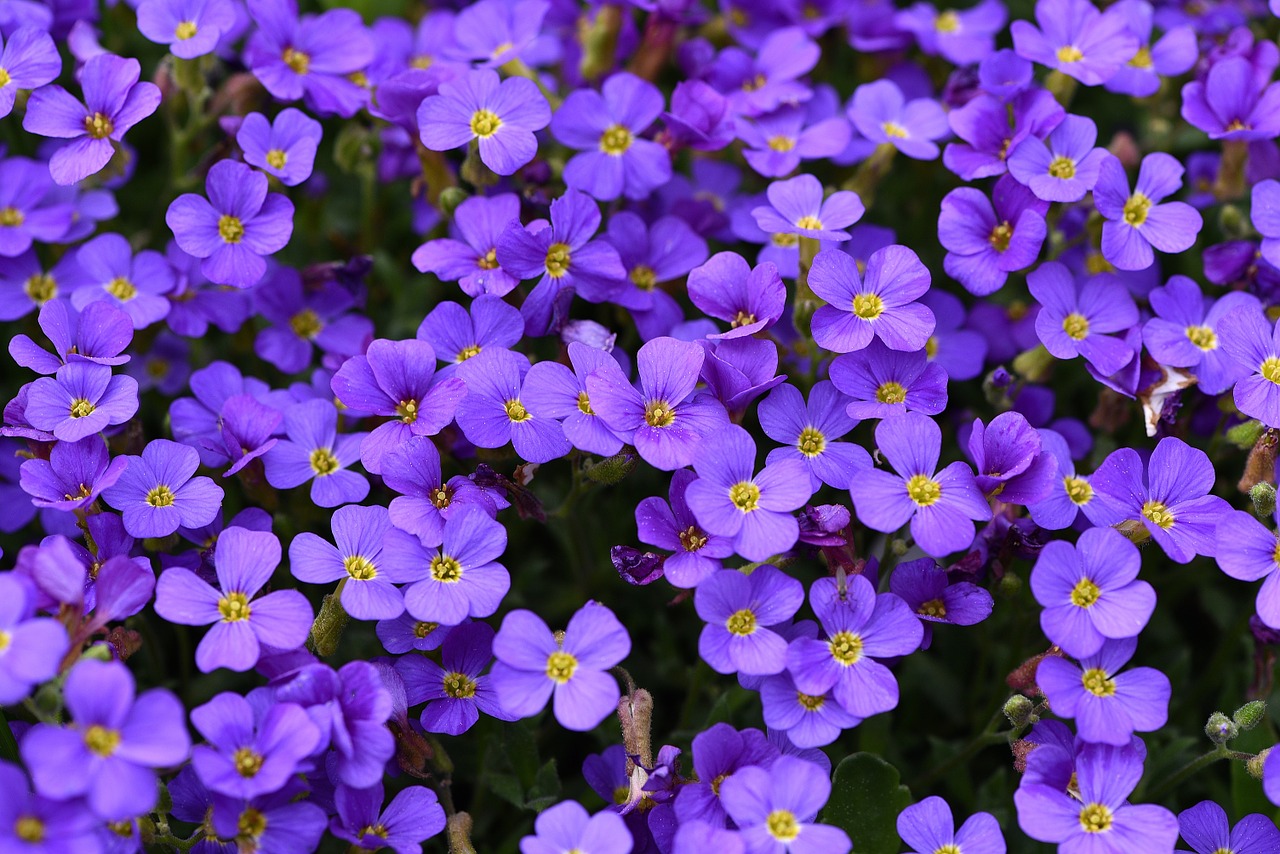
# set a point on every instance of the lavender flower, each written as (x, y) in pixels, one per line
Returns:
(1064, 166)
(1108, 705)
(250, 752)
(740, 611)
(567, 826)
(1232, 103)
(775, 809)
(882, 383)
(1183, 334)
(81, 399)
(1076, 39)
(796, 206)
(1206, 829)
(987, 239)
(191, 28)
(810, 431)
(315, 452)
(928, 826)
(472, 261)
(879, 305)
(501, 116)
(30, 60)
(461, 579)
(882, 114)
(285, 147)
(32, 647)
(368, 582)
(157, 493)
(1074, 314)
(1137, 222)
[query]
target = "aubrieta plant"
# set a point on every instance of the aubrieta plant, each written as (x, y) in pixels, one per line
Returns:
(639, 426)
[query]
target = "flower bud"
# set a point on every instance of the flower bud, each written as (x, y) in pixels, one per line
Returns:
(1254, 766)
(1250, 714)
(1033, 364)
(326, 631)
(611, 470)
(1233, 222)
(450, 198)
(1245, 436)
(1263, 496)
(1220, 729)
(1019, 710)
(1010, 584)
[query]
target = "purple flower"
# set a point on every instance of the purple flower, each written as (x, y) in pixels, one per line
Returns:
(81, 399)
(244, 561)
(285, 147)
(1184, 334)
(73, 476)
(471, 260)
(564, 257)
(1246, 550)
(30, 60)
(426, 499)
(115, 741)
(769, 79)
(494, 32)
(30, 207)
(157, 494)
(880, 305)
(235, 228)
(191, 28)
(928, 826)
(696, 552)
(808, 720)
(454, 691)
(1171, 500)
(741, 612)
(662, 251)
(1108, 705)
(939, 506)
(561, 393)
(1231, 102)
(413, 816)
(778, 141)
(1206, 828)
(532, 665)
(811, 430)
(1074, 314)
(26, 284)
(1090, 592)
(318, 315)
(56, 825)
(1265, 212)
(860, 627)
(990, 132)
(1175, 53)
(986, 242)
(502, 116)
(882, 383)
(1076, 39)
(923, 585)
(775, 808)
(114, 102)
(277, 822)
(315, 452)
(109, 271)
(1098, 816)
(458, 335)
(460, 579)
(1010, 461)
(250, 751)
(882, 115)
(368, 581)
(699, 117)
(718, 752)
(738, 370)
(754, 509)
(796, 206)
(1249, 340)
(567, 826)
(1064, 166)
(493, 412)
(961, 36)
(312, 56)
(665, 420)
(31, 647)
(727, 288)
(1137, 222)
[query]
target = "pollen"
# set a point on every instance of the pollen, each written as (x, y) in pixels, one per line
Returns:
(809, 702)
(947, 22)
(931, 347)
(185, 31)
(277, 158)
(745, 495)
(247, 761)
(741, 623)
(659, 413)
(1068, 54)
(422, 629)
(230, 228)
(1158, 514)
(297, 60)
(459, 686)
(584, 404)
(160, 496)
(81, 408)
(122, 289)
(323, 462)
(1078, 490)
(446, 569)
(251, 824)
(933, 608)
(5, 79)
(846, 648)
(5, 640)
(1141, 59)
(560, 666)
(234, 608)
(101, 740)
(1062, 167)
(11, 217)
(809, 223)
(868, 306)
(1000, 236)
(359, 567)
(1202, 337)
(782, 825)
(781, 143)
(1076, 326)
(485, 123)
(489, 260)
(557, 260)
(1096, 682)
(616, 140)
(442, 496)
(811, 442)
(407, 410)
(1271, 369)
(924, 491)
(1237, 125)
(98, 126)
(468, 352)
(28, 828)
(784, 240)
(643, 277)
(516, 411)
(751, 84)
(891, 392)
(1085, 593)
(691, 539)
(306, 324)
(742, 318)
(1095, 818)
(1136, 208)
(40, 288)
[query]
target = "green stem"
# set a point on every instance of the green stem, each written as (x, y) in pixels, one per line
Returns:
(1203, 761)
(8, 745)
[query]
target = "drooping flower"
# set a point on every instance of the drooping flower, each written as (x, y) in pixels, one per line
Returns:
(99, 334)
(1138, 222)
(73, 476)
(1076, 39)
(235, 228)
(749, 299)
(284, 147)
(881, 304)
(741, 612)
(924, 586)
(500, 115)
(1010, 461)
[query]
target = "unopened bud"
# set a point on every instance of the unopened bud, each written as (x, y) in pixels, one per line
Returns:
(898, 546)
(1232, 221)
(1250, 714)
(1263, 496)
(1010, 584)
(1245, 436)
(1255, 765)
(1261, 465)
(611, 470)
(450, 198)
(1019, 710)
(326, 631)
(459, 833)
(635, 713)
(1033, 364)
(1220, 728)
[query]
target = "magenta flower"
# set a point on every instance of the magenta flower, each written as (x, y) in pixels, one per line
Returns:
(500, 115)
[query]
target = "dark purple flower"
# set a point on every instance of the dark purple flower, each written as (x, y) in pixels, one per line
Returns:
(454, 691)
(727, 288)
(426, 499)
(1010, 461)
(990, 132)
(73, 476)
(985, 242)
(696, 553)
(1232, 103)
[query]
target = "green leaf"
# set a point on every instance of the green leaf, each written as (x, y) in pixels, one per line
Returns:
(546, 787)
(8, 746)
(866, 797)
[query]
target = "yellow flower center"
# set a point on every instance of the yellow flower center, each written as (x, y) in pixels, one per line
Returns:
(893, 130)
(247, 762)
(1085, 593)
(751, 84)
(1141, 59)
(1271, 369)
(949, 848)
(323, 462)
(28, 828)
(924, 491)
(1158, 514)
(516, 411)
(846, 648)
(297, 60)
(742, 318)
(446, 569)
(809, 702)
(98, 126)
(810, 223)
(485, 123)
(160, 496)
(933, 608)
(422, 629)
(745, 495)
(1202, 337)
(459, 686)
(122, 289)
(422, 61)
(560, 666)
(276, 158)
(5, 640)
(1062, 167)
(811, 442)
(375, 830)
(81, 408)
(252, 824)
(1095, 818)
(741, 623)
(691, 539)
(489, 260)
(185, 30)
(584, 404)
(1237, 124)
(1069, 54)
(234, 607)
(868, 306)
(615, 140)
(643, 277)
(782, 143)
(4, 78)
(1096, 682)
(11, 216)
(407, 410)
(1000, 236)
(947, 22)
(360, 567)
(306, 324)
(442, 497)
(1078, 490)
(784, 241)
(101, 740)
(467, 353)
(557, 260)
(659, 413)
(891, 392)
(782, 825)
(1135, 209)
(40, 288)
(1076, 326)
(230, 228)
